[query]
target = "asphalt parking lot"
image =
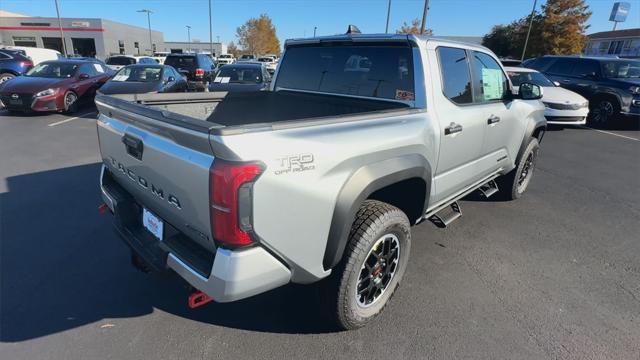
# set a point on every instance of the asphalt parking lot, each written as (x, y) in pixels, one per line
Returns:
(553, 275)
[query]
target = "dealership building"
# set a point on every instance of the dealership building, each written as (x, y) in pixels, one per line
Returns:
(194, 46)
(82, 36)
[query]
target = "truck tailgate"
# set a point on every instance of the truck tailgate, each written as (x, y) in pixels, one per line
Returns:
(164, 165)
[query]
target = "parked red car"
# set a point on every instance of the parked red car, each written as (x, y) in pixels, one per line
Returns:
(58, 85)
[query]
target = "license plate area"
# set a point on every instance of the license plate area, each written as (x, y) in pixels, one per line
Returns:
(152, 223)
(15, 102)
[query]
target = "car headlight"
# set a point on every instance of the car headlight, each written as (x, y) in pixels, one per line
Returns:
(635, 89)
(47, 92)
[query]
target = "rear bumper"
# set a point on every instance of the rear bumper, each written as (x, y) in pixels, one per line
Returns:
(227, 275)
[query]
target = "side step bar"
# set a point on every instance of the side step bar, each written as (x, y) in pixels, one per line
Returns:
(447, 215)
(489, 188)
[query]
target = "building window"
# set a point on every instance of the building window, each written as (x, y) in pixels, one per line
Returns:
(24, 41)
(604, 45)
(34, 24)
(153, 47)
(627, 46)
(137, 47)
(121, 47)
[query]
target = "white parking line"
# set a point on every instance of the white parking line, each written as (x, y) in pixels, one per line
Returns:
(70, 119)
(610, 133)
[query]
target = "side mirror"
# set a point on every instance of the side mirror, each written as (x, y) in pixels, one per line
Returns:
(83, 76)
(529, 91)
(171, 79)
(556, 83)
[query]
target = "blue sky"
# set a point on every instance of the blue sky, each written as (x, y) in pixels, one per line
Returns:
(297, 18)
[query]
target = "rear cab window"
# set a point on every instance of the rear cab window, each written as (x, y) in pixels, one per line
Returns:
(182, 62)
(378, 71)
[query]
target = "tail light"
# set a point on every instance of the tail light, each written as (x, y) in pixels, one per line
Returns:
(199, 72)
(26, 63)
(230, 192)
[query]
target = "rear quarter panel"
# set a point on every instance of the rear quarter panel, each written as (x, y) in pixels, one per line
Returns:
(306, 168)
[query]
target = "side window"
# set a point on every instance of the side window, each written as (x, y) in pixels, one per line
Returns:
(540, 63)
(3, 56)
(455, 75)
(87, 69)
(489, 81)
(586, 67)
(166, 73)
(562, 66)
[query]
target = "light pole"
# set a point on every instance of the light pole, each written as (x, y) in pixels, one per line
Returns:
(189, 38)
(386, 29)
(210, 31)
(314, 31)
(526, 40)
(64, 43)
(149, 12)
(424, 16)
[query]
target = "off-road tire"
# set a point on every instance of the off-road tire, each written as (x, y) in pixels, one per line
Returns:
(510, 186)
(374, 221)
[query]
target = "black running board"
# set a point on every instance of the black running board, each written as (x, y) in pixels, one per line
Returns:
(447, 215)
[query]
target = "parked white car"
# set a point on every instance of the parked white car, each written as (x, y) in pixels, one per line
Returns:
(159, 56)
(562, 106)
(38, 55)
(117, 62)
(225, 59)
(269, 63)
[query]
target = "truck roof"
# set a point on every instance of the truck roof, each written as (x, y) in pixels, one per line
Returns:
(418, 39)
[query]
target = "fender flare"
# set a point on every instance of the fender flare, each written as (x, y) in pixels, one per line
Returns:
(532, 126)
(359, 186)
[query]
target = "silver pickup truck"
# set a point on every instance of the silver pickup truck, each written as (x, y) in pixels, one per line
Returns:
(321, 178)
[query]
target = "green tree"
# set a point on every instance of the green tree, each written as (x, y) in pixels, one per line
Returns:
(258, 36)
(413, 28)
(564, 26)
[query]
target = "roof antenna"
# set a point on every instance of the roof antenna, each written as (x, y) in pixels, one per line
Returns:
(352, 29)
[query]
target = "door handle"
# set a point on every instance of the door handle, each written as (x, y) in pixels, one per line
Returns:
(493, 119)
(565, 80)
(452, 129)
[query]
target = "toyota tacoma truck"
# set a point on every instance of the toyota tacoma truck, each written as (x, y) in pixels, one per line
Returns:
(321, 178)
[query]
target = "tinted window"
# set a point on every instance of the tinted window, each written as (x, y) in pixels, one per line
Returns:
(121, 60)
(373, 71)
(538, 63)
(586, 67)
(455, 74)
(239, 74)
(621, 69)
(562, 66)
(87, 69)
(181, 62)
(531, 77)
(489, 81)
(4, 56)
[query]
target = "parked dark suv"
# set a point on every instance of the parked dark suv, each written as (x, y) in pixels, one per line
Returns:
(199, 69)
(611, 85)
(13, 63)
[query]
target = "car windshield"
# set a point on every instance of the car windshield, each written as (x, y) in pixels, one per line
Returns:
(138, 74)
(53, 70)
(621, 69)
(239, 75)
(536, 78)
(121, 60)
(225, 56)
(245, 57)
(265, 59)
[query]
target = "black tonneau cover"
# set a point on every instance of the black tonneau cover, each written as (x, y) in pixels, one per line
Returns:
(238, 109)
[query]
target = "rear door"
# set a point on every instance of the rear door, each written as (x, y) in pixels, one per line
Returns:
(462, 126)
(584, 77)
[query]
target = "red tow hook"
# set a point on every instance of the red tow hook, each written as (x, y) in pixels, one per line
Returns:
(198, 298)
(103, 209)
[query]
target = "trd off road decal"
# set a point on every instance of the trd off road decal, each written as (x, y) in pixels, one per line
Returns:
(294, 163)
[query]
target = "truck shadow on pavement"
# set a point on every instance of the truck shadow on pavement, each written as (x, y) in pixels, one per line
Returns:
(63, 267)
